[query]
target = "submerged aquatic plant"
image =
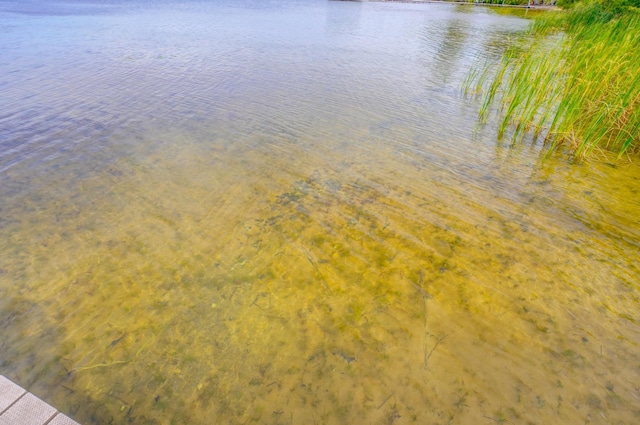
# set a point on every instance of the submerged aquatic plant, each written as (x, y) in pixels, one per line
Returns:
(573, 77)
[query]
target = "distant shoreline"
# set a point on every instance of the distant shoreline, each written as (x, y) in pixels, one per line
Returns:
(470, 3)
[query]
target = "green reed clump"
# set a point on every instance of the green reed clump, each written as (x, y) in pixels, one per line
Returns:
(574, 77)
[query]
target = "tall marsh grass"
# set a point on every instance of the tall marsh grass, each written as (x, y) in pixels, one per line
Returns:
(574, 78)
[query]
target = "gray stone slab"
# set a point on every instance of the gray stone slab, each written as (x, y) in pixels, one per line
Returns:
(28, 410)
(61, 419)
(9, 393)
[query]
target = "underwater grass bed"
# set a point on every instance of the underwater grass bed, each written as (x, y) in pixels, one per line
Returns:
(573, 78)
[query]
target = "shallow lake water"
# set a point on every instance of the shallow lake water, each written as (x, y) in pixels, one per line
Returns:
(283, 212)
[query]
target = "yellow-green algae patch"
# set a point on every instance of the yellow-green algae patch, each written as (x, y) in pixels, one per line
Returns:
(200, 283)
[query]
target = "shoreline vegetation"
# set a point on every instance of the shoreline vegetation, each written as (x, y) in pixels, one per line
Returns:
(573, 79)
(524, 4)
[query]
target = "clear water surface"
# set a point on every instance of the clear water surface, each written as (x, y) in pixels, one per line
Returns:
(282, 212)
